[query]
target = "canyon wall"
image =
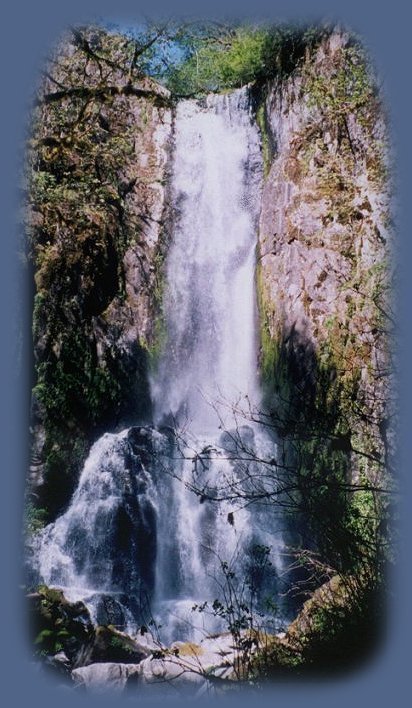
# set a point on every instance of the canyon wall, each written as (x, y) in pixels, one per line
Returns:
(323, 279)
(98, 174)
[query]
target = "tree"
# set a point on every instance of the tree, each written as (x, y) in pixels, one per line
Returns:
(217, 56)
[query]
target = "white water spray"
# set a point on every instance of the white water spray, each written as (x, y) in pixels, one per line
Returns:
(138, 521)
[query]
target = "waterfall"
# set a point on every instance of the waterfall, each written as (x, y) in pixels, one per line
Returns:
(139, 524)
(210, 301)
(209, 368)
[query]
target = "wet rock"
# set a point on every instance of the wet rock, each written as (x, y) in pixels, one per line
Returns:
(104, 677)
(110, 645)
(325, 200)
(109, 612)
(312, 233)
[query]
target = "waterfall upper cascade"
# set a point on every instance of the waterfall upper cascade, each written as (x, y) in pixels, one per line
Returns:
(139, 530)
(210, 302)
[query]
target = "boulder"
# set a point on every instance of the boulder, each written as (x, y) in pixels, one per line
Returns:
(190, 668)
(169, 674)
(104, 677)
(109, 611)
(111, 645)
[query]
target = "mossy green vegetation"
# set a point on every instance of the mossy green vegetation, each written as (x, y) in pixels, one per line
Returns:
(269, 353)
(158, 342)
(261, 119)
(35, 519)
(336, 631)
(348, 88)
(332, 457)
(158, 339)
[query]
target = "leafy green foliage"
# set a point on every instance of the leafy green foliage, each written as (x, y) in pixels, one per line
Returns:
(57, 624)
(35, 519)
(223, 63)
(219, 57)
(50, 641)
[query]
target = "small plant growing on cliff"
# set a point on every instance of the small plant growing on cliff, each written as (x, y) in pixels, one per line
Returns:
(246, 614)
(35, 519)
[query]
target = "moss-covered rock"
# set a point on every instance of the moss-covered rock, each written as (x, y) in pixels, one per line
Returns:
(59, 625)
(110, 645)
(336, 629)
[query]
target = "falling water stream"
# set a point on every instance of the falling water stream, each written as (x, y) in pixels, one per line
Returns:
(210, 300)
(143, 522)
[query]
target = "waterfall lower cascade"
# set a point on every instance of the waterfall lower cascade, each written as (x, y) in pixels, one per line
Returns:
(158, 510)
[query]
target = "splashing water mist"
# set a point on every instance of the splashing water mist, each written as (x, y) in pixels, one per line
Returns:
(144, 527)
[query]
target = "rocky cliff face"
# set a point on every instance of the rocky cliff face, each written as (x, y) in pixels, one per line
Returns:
(323, 270)
(97, 218)
(98, 203)
(98, 175)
